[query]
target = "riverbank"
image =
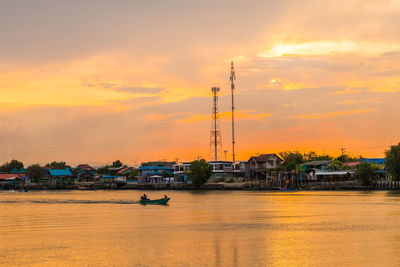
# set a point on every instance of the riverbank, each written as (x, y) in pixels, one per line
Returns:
(311, 186)
(229, 228)
(316, 186)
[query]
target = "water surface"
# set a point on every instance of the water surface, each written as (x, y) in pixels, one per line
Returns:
(214, 228)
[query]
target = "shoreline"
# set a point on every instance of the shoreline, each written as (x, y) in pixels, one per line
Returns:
(325, 186)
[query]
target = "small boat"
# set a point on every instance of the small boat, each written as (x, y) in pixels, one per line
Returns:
(285, 189)
(161, 201)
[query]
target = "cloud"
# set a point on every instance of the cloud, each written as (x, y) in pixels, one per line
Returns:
(333, 114)
(143, 90)
(126, 89)
(327, 48)
(348, 91)
(120, 95)
(157, 117)
(361, 101)
(226, 116)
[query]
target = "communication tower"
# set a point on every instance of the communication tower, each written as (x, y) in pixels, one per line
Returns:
(233, 78)
(215, 134)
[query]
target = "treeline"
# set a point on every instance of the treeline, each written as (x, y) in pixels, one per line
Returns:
(292, 160)
(366, 172)
(35, 171)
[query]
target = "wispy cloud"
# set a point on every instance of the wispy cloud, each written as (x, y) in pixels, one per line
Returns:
(139, 89)
(225, 116)
(348, 91)
(126, 89)
(333, 114)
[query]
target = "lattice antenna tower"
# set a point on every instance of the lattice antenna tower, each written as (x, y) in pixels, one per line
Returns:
(215, 133)
(233, 78)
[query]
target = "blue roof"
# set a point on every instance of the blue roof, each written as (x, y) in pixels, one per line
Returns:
(15, 170)
(374, 160)
(154, 168)
(109, 176)
(60, 172)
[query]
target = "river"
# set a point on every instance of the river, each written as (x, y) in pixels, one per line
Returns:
(212, 228)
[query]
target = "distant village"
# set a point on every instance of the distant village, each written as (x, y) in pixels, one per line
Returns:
(263, 171)
(285, 170)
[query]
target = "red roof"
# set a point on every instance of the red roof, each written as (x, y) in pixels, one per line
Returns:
(85, 167)
(124, 169)
(5, 176)
(351, 164)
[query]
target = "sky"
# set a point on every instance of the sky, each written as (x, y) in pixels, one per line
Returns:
(94, 81)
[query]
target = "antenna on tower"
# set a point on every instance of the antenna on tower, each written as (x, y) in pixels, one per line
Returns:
(215, 134)
(233, 78)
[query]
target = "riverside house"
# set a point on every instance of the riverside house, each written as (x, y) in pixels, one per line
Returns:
(58, 176)
(84, 173)
(180, 172)
(220, 170)
(318, 171)
(320, 165)
(155, 174)
(10, 180)
(258, 165)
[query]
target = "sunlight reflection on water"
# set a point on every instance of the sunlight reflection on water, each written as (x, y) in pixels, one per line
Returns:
(109, 228)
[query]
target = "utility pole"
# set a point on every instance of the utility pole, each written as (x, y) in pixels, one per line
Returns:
(233, 78)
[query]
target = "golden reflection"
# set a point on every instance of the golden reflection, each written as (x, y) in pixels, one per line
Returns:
(103, 228)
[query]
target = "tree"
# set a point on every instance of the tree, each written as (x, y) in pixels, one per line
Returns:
(117, 164)
(392, 162)
(35, 172)
(348, 158)
(57, 165)
(199, 172)
(291, 159)
(13, 164)
(365, 173)
(312, 156)
(165, 174)
(335, 165)
(103, 170)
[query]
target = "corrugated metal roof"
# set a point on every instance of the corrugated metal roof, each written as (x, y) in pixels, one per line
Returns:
(374, 160)
(318, 162)
(15, 170)
(60, 172)
(154, 168)
(265, 157)
(6, 176)
(335, 173)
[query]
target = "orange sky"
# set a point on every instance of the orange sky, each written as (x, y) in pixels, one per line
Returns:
(131, 80)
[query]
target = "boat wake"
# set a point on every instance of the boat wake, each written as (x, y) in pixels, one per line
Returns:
(68, 201)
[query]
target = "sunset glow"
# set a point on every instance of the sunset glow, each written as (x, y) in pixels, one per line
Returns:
(118, 83)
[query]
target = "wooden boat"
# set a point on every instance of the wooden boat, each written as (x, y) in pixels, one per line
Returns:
(285, 189)
(161, 201)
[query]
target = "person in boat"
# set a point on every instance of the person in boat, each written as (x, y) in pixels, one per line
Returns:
(144, 197)
(165, 196)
